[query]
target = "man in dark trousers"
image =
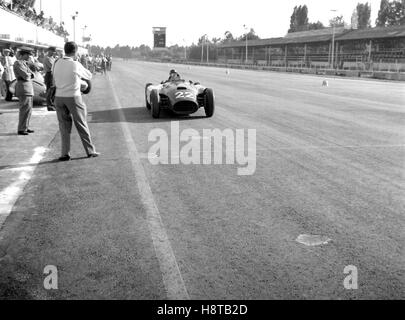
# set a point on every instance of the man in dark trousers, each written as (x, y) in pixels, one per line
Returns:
(24, 90)
(49, 60)
(68, 74)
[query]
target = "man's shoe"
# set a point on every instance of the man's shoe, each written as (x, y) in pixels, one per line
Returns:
(51, 109)
(30, 131)
(65, 158)
(94, 155)
(22, 133)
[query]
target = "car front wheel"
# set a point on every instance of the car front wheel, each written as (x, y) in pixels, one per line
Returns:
(154, 100)
(209, 104)
(148, 106)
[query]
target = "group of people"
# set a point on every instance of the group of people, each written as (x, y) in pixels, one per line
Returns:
(28, 13)
(64, 75)
(97, 63)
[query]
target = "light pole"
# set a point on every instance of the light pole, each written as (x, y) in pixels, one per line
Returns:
(202, 48)
(246, 56)
(333, 43)
(84, 33)
(208, 48)
(60, 11)
(185, 49)
(74, 25)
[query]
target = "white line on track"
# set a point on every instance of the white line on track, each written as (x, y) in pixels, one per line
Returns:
(10, 195)
(172, 278)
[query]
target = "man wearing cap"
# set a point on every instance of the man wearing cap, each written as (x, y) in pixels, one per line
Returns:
(49, 61)
(24, 90)
(8, 74)
(68, 74)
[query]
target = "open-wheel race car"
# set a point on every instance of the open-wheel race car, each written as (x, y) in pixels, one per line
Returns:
(39, 88)
(180, 96)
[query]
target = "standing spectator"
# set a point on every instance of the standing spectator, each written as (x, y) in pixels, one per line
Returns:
(103, 64)
(83, 61)
(1, 65)
(109, 63)
(69, 103)
(8, 74)
(49, 61)
(24, 90)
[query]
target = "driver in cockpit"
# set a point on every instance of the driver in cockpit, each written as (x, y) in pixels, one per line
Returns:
(173, 76)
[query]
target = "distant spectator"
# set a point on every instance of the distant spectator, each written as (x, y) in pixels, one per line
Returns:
(8, 74)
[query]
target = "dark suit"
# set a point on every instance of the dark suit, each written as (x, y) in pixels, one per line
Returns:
(24, 90)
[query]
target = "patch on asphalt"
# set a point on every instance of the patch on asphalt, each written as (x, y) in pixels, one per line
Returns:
(313, 240)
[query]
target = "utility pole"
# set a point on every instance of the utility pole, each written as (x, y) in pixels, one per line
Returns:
(74, 25)
(333, 44)
(202, 50)
(60, 11)
(208, 50)
(246, 55)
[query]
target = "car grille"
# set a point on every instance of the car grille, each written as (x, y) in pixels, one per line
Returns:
(164, 101)
(185, 107)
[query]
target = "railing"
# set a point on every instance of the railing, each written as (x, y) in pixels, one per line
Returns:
(320, 68)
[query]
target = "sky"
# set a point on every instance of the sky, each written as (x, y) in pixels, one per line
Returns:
(130, 22)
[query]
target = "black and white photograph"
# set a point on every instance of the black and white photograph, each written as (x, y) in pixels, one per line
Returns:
(223, 151)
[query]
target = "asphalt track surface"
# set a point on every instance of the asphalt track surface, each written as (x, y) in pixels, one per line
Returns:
(330, 162)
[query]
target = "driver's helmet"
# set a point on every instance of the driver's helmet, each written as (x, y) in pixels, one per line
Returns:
(173, 75)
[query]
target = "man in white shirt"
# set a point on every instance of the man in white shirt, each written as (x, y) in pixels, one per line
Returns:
(69, 103)
(8, 74)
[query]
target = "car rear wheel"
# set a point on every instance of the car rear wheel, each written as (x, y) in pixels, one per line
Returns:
(148, 106)
(154, 100)
(209, 104)
(9, 94)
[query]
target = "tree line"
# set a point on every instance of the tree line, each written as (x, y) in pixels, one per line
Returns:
(391, 13)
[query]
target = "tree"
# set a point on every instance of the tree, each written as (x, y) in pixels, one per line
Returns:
(337, 22)
(299, 19)
(391, 13)
(228, 37)
(383, 14)
(355, 20)
(364, 14)
(315, 25)
(251, 35)
(397, 14)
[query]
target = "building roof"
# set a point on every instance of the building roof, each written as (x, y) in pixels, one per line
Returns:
(374, 33)
(323, 35)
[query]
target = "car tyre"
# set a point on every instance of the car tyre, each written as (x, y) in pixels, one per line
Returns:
(154, 100)
(9, 94)
(148, 106)
(209, 104)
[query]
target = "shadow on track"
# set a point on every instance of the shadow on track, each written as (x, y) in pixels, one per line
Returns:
(137, 115)
(55, 161)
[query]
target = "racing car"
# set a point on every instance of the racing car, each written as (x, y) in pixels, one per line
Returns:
(181, 97)
(40, 94)
(39, 88)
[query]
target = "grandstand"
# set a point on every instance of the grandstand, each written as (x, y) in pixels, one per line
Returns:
(374, 49)
(16, 31)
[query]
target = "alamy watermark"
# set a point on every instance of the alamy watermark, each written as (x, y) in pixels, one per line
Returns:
(351, 282)
(51, 279)
(211, 147)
